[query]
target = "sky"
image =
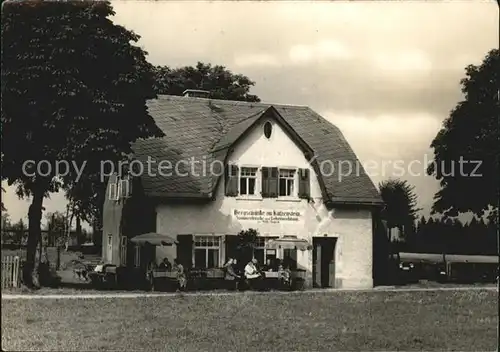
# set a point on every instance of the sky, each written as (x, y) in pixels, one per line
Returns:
(386, 73)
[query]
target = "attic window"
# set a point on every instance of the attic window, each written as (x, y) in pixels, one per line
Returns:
(268, 129)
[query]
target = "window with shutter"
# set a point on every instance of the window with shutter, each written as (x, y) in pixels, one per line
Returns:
(231, 180)
(113, 191)
(248, 180)
(304, 183)
(207, 251)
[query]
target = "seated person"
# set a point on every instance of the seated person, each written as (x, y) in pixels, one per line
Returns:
(165, 264)
(251, 271)
(231, 270)
(230, 273)
(151, 265)
(284, 274)
(181, 275)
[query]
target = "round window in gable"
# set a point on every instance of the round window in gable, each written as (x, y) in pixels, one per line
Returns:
(268, 129)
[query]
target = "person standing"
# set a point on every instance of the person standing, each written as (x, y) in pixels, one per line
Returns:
(181, 275)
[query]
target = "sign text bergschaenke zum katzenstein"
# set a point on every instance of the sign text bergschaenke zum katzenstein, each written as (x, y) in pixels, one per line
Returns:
(273, 216)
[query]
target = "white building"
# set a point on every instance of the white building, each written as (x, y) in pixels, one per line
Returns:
(276, 165)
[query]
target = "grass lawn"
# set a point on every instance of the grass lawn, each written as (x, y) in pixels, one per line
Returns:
(338, 321)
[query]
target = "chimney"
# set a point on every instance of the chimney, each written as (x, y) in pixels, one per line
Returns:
(196, 93)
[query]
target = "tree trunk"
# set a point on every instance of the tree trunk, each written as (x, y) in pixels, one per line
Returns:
(68, 233)
(78, 230)
(35, 218)
(65, 234)
(69, 222)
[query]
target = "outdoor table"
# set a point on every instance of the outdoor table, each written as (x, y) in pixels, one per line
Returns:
(271, 274)
(162, 278)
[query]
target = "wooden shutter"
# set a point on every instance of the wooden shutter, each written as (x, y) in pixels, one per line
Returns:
(185, 250)
(265, 181)
(231, 242)
(304, 183)
(273, 182)
(231, 180)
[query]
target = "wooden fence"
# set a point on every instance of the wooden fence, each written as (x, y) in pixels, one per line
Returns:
(11, 272)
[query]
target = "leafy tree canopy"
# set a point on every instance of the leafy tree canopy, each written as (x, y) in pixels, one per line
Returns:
(400, 203)
(74, 88)
(56, 222)
(218, 80)
(471, 133)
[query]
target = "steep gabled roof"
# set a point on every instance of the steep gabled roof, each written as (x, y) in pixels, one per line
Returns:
(203, 130)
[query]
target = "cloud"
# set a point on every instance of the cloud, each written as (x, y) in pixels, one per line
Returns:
(388, 71)
(402, 62)
(397, 145)
(325, 50)
(18, 208)
(255, 60)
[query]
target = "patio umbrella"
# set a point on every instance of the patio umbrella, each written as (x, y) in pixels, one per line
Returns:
(289, 242)
(153, 238)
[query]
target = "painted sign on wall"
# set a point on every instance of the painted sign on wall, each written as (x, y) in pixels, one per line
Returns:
(268, 215)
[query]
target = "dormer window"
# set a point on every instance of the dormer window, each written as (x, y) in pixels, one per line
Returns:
(268, 129)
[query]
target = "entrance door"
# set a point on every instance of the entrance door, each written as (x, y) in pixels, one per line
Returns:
(324, 261)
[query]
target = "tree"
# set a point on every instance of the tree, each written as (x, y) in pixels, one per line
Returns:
(86, 203)
(246, 244)
(222, 83)
(74, 89)
(56, 221)
(400, 204)
(56, 225)
(5, 220)
(6, 225)
(470, 138)
(218, 80)
(19, 225)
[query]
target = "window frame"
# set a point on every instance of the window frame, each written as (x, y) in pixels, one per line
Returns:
(293, 178)
(263, 247)
(207, 248)
(257, 177)
(264, 128)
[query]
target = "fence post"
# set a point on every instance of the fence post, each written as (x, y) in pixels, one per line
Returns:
(16, 272)
(9, 270)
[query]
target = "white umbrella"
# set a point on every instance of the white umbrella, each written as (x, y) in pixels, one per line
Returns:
(153, 238)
